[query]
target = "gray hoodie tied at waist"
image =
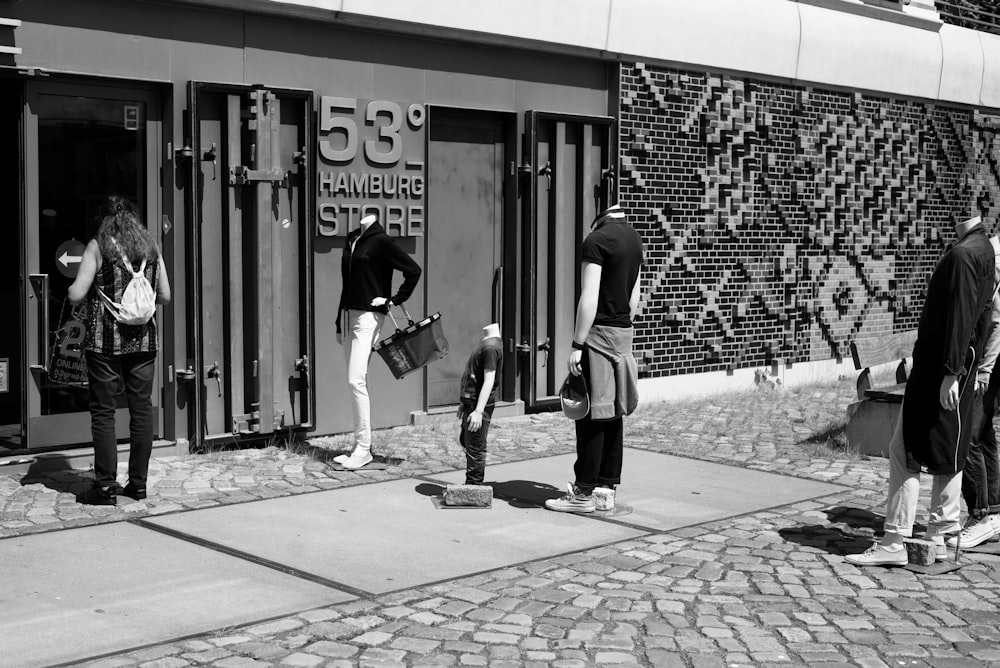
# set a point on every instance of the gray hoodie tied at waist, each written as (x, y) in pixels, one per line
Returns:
(614, 374)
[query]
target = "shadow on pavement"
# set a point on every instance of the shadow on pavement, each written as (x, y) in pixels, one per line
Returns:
(851, 530)
(524, 493)
(55, 472)
(516, 493)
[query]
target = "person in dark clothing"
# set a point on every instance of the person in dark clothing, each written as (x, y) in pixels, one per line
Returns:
(981, 477)
(118, 352)
(370, 257)
(479, 392)
(602, 351)
(933, 431)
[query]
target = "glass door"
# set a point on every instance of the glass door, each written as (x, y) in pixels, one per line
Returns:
(82, 143)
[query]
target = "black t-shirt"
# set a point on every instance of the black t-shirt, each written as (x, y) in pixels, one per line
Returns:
(617, 248)
(487, 356)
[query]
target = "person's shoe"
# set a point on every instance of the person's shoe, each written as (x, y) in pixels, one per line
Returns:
(995, 521)
(133, 492)
(877, 555)
(340, 459)
(974, 533)
(97, 496)
(357, 460)
(572, 502)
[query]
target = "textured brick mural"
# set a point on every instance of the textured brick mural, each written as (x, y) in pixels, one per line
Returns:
(782, 222)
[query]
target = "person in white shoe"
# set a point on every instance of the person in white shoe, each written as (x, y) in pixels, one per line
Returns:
(602, 352)
(370, 257)
(933, 431)
(981, 477)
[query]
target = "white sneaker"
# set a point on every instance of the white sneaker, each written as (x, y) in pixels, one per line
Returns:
(877, 555)
(340, 459)
(974, 533)
(995, 521)
(357, 460)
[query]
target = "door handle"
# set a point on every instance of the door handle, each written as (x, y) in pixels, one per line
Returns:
(40, 285)
(215, 371)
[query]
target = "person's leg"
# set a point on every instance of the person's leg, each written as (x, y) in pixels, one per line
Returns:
(102, 376)
(137, 369)
(589, 454)
(363, 331)
(474, 443)
(991, 452)
(901, 508)
(610, 472)
(974, 478)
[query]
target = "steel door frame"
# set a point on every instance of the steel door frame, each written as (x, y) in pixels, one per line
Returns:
(530, 173)
(49, 428)
(196, 364)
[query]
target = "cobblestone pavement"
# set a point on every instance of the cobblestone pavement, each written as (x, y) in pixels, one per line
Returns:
(765, 588)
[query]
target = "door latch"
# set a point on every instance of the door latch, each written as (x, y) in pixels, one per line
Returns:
(215, 372)
(302, 366)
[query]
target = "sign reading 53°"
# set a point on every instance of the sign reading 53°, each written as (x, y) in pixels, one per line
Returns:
(371, 160)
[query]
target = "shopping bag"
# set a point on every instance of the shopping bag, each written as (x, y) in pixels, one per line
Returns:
(415, 346)
(67, 363)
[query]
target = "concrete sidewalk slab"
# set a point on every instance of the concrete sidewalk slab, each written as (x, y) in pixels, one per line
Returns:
(109, 588)
(389, 536)
(665, 492)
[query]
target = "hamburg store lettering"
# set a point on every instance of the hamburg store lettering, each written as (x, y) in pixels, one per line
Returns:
(371, 161)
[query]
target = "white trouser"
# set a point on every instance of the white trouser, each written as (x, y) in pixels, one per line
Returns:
(363, 329)
(904, 489)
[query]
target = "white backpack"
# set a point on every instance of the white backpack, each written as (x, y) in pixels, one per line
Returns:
(138, 302)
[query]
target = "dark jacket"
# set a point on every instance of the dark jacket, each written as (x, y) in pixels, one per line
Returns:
(950, 339)
(366, 271)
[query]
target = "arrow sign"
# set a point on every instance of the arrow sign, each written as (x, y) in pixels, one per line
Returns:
(68, 257)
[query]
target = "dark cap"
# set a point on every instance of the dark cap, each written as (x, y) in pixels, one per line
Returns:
(574, 398)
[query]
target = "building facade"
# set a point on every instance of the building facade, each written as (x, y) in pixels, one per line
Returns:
(794, 168)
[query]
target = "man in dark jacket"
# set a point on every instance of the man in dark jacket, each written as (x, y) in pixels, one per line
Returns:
(370, 256)
(933, 430)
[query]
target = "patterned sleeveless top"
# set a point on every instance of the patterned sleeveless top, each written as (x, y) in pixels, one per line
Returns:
(106, 335)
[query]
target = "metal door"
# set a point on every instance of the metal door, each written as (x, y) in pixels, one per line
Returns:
(81, 144)
(250, 261)
(467, 176)
(568, 181)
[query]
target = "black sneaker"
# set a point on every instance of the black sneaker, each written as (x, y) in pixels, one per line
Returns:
(97, 496)
(133, 492)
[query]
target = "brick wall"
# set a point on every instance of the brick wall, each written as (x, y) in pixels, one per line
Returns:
(781, 221)
(981, 15)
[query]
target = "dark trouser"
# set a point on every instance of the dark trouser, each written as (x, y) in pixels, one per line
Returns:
(474, 443)
(104, 372)
(599, 445)
(981, 478)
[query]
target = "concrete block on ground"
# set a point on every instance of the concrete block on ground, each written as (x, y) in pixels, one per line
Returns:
(479, 496)
(920, 552)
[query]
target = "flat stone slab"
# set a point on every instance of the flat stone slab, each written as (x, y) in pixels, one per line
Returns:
(109, 588)
(989, 547)
(663, 492)
(385, 536)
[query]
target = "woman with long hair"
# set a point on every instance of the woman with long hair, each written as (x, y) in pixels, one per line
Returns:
(116, 352)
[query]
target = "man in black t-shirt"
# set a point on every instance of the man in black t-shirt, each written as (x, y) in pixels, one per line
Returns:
(479, 392)
(602, 352)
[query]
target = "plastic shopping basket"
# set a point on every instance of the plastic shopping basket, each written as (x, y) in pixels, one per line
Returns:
(414, 347)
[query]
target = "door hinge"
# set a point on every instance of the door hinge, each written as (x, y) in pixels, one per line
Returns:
(249, 423)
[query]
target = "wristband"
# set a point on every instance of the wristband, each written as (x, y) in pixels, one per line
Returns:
(578, 346)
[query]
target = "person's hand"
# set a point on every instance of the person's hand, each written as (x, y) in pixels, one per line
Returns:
(340, 338)
(575, 362)
(475, 420)
(381, 301)
(948, 395)
(981, 386)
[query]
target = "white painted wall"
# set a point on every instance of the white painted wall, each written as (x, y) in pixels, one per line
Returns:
(824, 42)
